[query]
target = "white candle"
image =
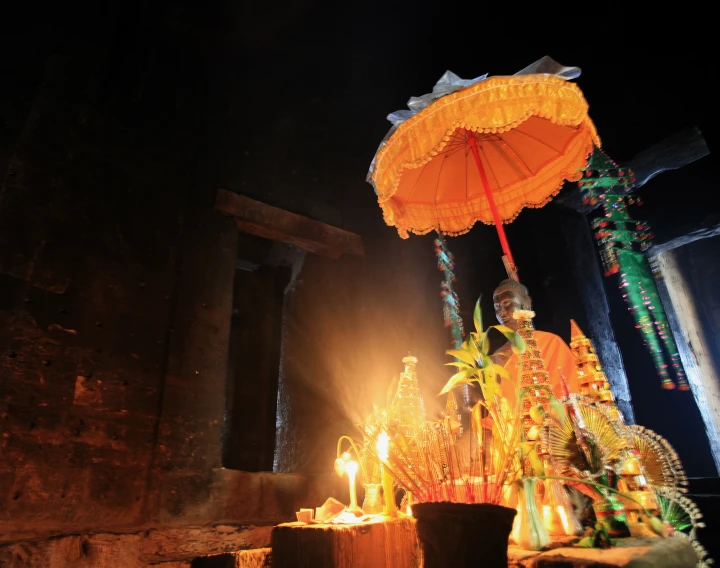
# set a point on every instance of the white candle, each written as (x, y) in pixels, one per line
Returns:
(351, 467)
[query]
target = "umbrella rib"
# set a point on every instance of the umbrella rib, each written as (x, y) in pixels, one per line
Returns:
(412, 190)
(454, 146)
(538, 140)
(505, 144)
(437, 183)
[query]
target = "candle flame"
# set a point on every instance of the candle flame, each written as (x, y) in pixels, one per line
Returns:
(547, 516)
(564, 520)
(383, 446)
(351, 468)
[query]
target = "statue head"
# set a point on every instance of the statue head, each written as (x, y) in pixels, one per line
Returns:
(508, 297)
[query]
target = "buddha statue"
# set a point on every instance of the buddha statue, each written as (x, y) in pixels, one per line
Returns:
(559, 362)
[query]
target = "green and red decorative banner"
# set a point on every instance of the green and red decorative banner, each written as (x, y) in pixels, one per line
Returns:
(451, 303)
(622, 242)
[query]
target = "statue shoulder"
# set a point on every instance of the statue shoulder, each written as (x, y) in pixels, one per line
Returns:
(548, 338)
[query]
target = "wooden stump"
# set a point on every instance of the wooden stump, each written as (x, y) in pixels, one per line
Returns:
(374, 544)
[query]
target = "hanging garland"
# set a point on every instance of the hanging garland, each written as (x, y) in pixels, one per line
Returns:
(622, 242)
(451, 303)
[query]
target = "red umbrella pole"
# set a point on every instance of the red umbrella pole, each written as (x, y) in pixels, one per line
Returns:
(493, 208)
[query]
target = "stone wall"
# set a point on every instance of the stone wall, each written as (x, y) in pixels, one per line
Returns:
(90, 217)
(116, 289)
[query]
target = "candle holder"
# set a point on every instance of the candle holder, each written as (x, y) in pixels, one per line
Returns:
(373, 501)
(345, 464)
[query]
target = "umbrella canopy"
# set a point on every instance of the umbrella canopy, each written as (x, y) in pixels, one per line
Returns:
(503, 143)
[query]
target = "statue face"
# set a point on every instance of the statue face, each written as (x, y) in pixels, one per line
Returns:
(506, 301)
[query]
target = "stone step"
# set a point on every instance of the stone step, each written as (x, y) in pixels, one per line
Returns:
(255, 558)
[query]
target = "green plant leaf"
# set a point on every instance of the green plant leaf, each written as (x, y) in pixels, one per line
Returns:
(490, 385)
(657, 526)
(556, 410)
(536, 462)
(484, 361)
(484, 343)
(459, 365)
(474, 349)
(476, 416)
(502, 371)
(461, 354)
(537, 413)
(517, 343)
(461, 378)
(477, 315)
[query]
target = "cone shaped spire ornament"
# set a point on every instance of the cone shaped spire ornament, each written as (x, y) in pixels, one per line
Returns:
(592, 379)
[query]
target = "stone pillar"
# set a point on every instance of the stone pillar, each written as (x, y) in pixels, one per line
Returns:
(588, 279)
(693, 346)
(193, 399)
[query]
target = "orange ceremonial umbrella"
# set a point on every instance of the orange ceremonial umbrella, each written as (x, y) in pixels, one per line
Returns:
(482, 150)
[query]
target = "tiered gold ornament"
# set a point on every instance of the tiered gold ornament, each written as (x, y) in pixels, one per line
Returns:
(532, 372)
(592, 379)
(407, 414)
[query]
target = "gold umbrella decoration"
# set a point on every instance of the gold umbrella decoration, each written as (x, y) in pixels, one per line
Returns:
(585, 444)
(482, 150)
(660, 460)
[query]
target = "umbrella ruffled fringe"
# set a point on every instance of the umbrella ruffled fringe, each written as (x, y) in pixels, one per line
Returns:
(547, 185)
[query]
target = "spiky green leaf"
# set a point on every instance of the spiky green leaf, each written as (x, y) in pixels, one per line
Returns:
(536, 462)
(462, 378)
(462, 354)
(502, 371)
(489, 382)
(459, 365)
(517, 343)
(477, 315)
(557, 411)
(484, 343)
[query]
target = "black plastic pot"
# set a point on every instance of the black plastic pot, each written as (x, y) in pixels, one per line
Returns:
(459, 535)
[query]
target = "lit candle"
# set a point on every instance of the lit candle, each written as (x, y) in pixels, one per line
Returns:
(351, 468)
(383, 450)
(569, 530)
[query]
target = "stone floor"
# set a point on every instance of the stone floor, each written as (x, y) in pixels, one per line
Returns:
(630, 553)
(361, 545)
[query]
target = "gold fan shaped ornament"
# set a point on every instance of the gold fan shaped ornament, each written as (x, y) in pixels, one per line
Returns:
(682, 517)
(604, 441)
(660, 461)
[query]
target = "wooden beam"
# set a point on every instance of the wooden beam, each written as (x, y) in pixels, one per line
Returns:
(270, 222)
(704, 233)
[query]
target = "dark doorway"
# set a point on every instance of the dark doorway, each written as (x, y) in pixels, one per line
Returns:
(261, 276)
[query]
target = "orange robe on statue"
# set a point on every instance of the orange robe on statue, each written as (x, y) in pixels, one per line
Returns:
(555, 353)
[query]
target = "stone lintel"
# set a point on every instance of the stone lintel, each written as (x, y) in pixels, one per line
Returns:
(270, 222)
